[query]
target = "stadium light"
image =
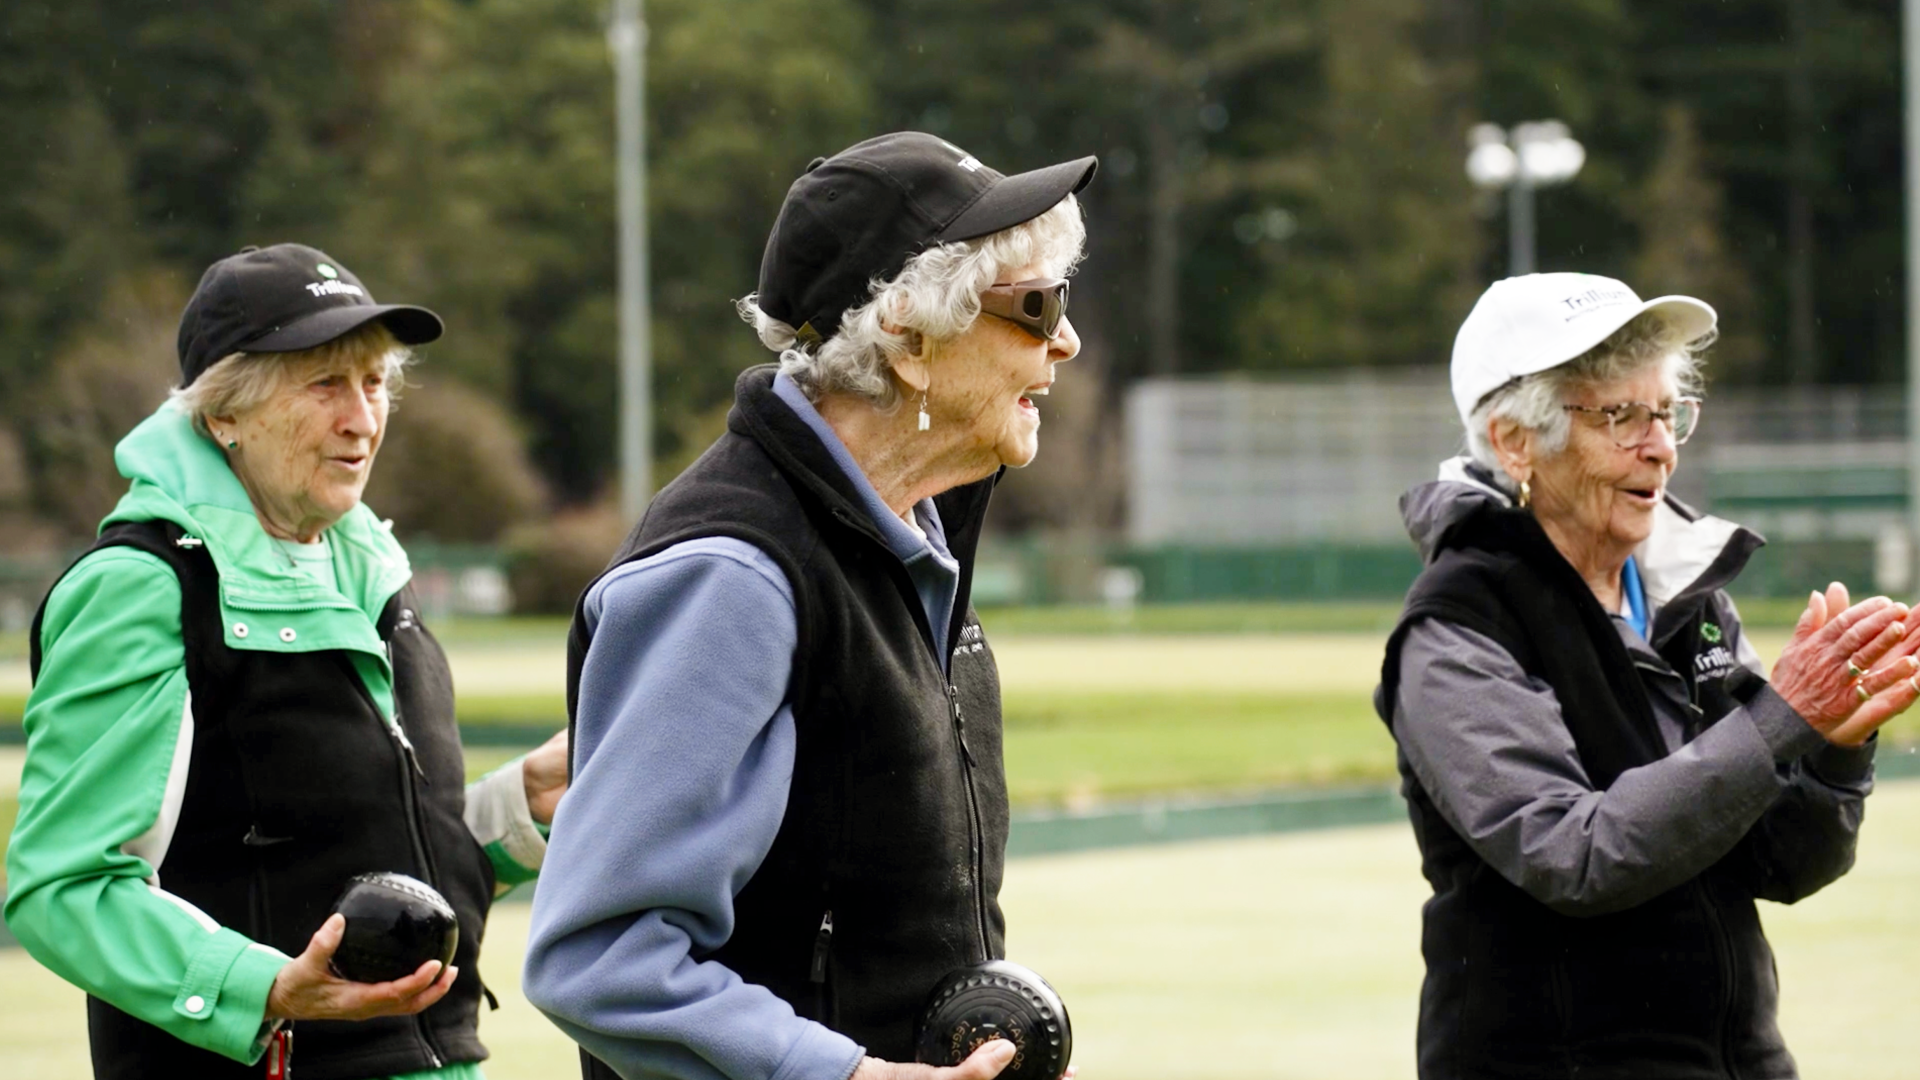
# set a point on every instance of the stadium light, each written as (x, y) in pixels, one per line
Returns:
(1535, 154)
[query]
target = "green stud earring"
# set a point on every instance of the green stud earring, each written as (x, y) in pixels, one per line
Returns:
(233, 444)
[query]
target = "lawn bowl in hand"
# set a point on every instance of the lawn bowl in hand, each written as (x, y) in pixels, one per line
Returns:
(394, 924)
(996, 1000)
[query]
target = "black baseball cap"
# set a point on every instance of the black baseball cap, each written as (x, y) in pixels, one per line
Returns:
(284, 298)
(858, 216)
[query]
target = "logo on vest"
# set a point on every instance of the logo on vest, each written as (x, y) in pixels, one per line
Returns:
(1713, 664)
(972, 640)
(1709, 633)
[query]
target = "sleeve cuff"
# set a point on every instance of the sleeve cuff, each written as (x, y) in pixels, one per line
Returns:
(499, 819)
(820, 1053)
(226, 988)
(1788, 736)
(1852, 765)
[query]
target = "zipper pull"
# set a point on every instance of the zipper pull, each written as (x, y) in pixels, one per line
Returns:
(959, 723)
(400, 733)
(406, 745)
(280, 1053)
(412, 758)
(822, 941)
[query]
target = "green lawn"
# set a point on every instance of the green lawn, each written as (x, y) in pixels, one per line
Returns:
(1067, 746)
(1294, 956)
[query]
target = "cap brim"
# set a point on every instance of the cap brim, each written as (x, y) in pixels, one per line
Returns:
(1694, 319)
(1020, 198)
(410, 326)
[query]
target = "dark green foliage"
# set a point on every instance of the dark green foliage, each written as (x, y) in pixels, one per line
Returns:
(1282, 182)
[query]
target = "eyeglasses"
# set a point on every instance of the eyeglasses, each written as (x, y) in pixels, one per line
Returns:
(1037, 306)
(1631, 422)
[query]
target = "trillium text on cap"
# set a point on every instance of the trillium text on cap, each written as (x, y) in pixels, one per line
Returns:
(1528, 324)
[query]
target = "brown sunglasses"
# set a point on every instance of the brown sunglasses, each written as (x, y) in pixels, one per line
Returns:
(1037, 306)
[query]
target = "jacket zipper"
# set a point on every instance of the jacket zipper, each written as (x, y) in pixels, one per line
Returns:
(410, 770)
(822, 946)
(976, 831)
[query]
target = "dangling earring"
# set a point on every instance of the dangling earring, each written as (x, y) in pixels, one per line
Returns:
(925, 420)
(1526, 494)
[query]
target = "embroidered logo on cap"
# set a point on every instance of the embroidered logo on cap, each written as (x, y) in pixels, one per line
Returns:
(1595, 300)
(333, 286)
(967, 161)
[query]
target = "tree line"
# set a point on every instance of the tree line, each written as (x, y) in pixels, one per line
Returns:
(1282, 188)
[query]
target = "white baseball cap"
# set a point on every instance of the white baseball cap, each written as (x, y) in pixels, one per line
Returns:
(1527, 324)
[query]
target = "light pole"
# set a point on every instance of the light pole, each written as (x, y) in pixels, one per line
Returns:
(1910, 36)
(627, 38)
(1532, 155)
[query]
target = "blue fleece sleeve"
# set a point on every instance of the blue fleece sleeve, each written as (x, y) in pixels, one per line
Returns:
(683, 754)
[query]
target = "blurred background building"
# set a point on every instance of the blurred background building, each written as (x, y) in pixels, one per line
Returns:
(1290, 489)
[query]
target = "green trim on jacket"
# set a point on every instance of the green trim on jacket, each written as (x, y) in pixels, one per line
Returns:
(107, 753)
(266, 605)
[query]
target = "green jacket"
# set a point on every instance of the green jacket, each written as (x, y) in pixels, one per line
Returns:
(106, 762)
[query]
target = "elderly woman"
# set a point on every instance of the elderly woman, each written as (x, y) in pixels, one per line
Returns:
(789, 812)
(237, 708)
(1601, 776)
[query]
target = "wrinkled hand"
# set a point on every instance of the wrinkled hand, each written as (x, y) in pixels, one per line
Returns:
(984, 1063)
(306, 990)
(545, 773)
(1812, 672)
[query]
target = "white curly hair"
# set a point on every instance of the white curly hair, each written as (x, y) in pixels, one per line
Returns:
(934, 298)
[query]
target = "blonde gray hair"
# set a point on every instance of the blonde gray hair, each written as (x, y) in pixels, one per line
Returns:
(934, 299)
(243, 381)
(1534, 401)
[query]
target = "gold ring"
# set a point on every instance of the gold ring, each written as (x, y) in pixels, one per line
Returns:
(1861, 690)
(1854, 671)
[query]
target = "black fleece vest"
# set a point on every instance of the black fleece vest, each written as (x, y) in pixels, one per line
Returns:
(295, 785)
(1680, 987)
(886, 871)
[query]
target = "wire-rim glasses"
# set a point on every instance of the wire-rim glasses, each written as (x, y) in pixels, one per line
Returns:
(1630, 423)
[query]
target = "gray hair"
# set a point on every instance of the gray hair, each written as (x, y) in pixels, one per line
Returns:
(935, 298)
(1534, 401)
(242, 381)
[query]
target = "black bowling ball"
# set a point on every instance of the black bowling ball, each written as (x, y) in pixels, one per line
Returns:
(394, 924)
(996, 1000)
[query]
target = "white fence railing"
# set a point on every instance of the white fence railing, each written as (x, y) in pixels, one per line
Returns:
(1325, 458)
